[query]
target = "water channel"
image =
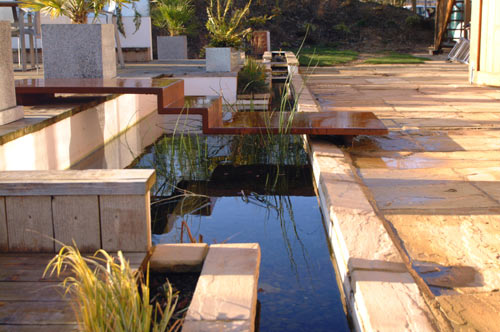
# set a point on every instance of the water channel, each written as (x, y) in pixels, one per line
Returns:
(240, 189)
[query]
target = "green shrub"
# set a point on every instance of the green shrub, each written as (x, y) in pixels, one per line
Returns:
(413, 21)
(224, 23)
(252, 78)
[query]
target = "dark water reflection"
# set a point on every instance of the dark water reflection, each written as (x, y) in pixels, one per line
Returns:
(297, 286)
(238, 189)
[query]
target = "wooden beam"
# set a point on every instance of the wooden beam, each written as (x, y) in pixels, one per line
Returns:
(29, 223)
(443, 15)
(4, 239)
(479, 30)
(78, 182)
(76, 219)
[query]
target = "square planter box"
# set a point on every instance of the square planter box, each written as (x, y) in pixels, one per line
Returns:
(79, 51)
(171, 47)
(222, 59)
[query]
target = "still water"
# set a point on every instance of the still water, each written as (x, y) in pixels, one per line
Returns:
(234, 189)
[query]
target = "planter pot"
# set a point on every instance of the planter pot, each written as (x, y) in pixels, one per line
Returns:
(222, 59)
(251, 102)
(79, 51)
(171, 47)
(226, 292)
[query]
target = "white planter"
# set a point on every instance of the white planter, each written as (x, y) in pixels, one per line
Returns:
(79, 51)
(171, 47)
(222, 59)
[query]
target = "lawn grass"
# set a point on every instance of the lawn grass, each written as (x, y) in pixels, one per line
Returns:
(325, 56)
(396, 58)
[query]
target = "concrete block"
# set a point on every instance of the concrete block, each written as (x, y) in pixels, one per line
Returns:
(171, 47)
(227, 288)
(11, 114)
(222, 59)
(79, 51)
(183, 257)
(7, 92)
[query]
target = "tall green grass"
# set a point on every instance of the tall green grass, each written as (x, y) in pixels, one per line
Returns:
(109, 296)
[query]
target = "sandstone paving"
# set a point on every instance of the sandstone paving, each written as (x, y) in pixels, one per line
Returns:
(434, 180)
(464, 248)
(472, 312)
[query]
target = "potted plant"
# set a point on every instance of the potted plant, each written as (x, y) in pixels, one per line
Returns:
(225, 27)
(77, 50)
(174, 16)
(253, 86)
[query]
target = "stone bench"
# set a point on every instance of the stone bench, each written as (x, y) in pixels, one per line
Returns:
(108, 209)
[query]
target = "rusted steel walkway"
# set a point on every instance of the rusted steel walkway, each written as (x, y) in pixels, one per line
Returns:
(171, 100)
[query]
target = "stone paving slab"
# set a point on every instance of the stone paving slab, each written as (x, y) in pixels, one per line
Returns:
(434, 179)
(474, 312)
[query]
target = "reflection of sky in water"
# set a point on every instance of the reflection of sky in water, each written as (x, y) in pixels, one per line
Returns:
(297, 296)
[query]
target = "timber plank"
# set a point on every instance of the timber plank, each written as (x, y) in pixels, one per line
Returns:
(77, 182)
(28, 274)
(39, 328)
(29, 223)
(50, 312)
(31, 291)
(76, 220)
(4, 240)
(125, 222)
(39, 260)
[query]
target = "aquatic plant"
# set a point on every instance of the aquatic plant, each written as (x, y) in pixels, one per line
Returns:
(109, 295)
(252, 78)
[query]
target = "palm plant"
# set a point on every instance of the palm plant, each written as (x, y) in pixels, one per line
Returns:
(225, 23)
(173, 15)
(76, 10)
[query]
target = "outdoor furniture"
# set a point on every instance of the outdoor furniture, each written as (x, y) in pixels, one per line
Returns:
(171, 100)
(20, 27)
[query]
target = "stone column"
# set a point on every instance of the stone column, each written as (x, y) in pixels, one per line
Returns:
(9, 112)
(79, 51)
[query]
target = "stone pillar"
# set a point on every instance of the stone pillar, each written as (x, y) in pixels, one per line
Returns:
(79, 51)
(171, 47)
(9, 112)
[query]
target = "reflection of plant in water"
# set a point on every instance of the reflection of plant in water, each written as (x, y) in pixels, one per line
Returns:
(282, 206)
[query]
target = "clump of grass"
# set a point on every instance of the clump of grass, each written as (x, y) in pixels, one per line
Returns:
(252, 78)
(109, 295)
(396, 58)
(325, 56)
